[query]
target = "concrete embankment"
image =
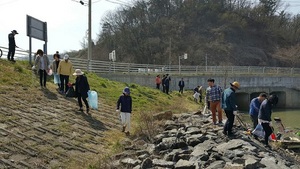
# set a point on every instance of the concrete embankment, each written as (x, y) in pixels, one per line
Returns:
(190, 141)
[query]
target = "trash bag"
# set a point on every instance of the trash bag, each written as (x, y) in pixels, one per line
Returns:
(93, 99)
(56, 78)
(259, 131)
(71, 92)
(49, 72)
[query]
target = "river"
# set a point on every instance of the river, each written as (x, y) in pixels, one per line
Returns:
(290, 119)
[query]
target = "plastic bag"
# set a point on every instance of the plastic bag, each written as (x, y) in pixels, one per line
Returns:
(56, 78)
(93, 99)
(49, 72)
(71, 92)
(259, 131)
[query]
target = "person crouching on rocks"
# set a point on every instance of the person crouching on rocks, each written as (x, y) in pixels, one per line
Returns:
(125, 102)
(81, 89)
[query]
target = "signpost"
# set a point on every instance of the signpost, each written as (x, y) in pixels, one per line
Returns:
(38, 30)
(181, 57)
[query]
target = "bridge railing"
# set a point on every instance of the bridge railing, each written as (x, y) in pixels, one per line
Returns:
(120, 67)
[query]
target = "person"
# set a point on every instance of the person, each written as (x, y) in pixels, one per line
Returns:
(157, 81)
(65, 69)
(181, 86)
(54, 67)
(125, 102)
(254, 108)
(11, 46)
(264, 116)
(196, 94)
(229, 106)
(163, 84)
(200, 93)
(167, 83)
(81, 89)
(213, 96)
(42, 64)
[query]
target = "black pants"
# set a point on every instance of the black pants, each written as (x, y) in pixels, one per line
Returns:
(268, 132)
(64, 80)
(11, 53)
(157, 86)
(43, 76)
(167, 89)
(180, 89)
(254, 120)
(164, 88)
(80, 98)
(229, 122)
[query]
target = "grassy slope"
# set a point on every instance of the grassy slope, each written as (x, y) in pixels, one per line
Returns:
(18, 77)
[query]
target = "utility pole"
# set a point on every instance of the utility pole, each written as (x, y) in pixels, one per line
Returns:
(170, 53)
(90, 35)
(206, 62)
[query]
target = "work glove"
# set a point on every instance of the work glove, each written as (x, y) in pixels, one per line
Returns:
(117, 110)
(235, 113)
(270, 124)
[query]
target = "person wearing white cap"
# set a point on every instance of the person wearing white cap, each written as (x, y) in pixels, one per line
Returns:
(81, 89)
(11, 46)
(65, 69)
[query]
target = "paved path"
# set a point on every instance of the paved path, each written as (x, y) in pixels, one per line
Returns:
(45, 130)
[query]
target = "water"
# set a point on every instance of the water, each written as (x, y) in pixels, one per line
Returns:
(290, 119)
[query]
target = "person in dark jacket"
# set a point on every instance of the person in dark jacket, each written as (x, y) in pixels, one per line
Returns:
(11, 46)
(254, 108)
(167, 83)
(264, 116)
(181, 86)
(229, 106)
(163, 83)
(81, 89)
(125, 102)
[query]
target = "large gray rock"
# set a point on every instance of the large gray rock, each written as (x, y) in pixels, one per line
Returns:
(163, 163)
(216, 164)
(184, 164)
(130, 162)
(202, 148)
(147, 163)
(251, 163)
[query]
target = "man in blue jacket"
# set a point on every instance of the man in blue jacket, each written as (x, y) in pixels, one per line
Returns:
(229, 106)
(254, 108)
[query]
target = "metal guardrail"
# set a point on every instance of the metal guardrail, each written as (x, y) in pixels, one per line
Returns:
(119, 67)
(20, 54)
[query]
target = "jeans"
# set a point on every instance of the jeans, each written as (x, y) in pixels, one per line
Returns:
(64, 80)
(229, 122)
(43, 76)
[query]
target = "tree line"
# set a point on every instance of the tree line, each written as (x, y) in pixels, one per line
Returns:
(235, 32)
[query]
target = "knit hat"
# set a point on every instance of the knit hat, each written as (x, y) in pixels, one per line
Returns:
(126, 90)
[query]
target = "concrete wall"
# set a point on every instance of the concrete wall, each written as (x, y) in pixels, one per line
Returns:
(287, 88)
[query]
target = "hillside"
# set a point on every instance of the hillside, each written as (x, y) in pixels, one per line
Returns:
(227, 32)
(40, 128)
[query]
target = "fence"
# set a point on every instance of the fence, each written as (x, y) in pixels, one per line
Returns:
(118, 67)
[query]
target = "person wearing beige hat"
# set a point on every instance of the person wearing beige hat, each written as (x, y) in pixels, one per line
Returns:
(81, 89)
(230, 107)
(65, 69)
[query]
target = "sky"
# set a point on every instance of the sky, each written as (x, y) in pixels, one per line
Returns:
(67, 21)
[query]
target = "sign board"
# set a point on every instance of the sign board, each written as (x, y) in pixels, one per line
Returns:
(112, 56)
(36, 28)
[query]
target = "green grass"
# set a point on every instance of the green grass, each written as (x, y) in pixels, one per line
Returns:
(146, 101)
